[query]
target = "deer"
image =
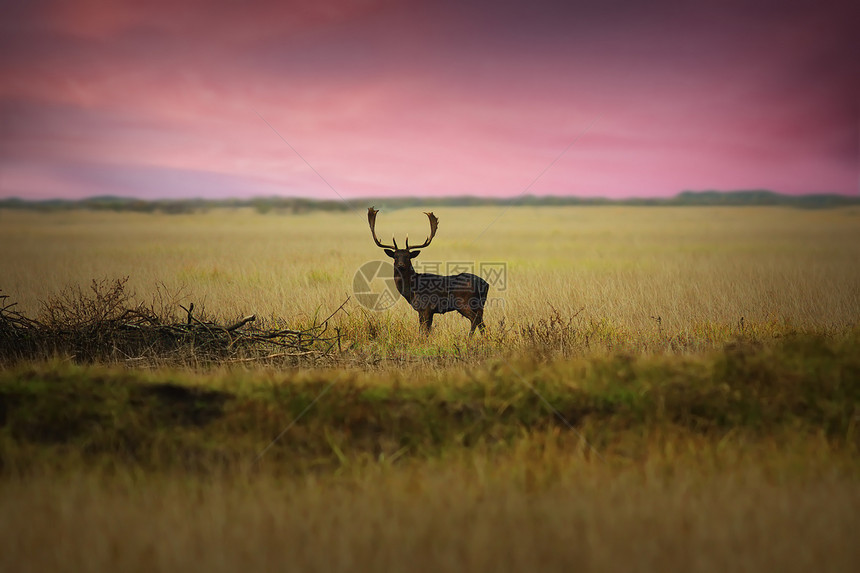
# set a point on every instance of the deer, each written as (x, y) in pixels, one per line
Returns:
(431, 294)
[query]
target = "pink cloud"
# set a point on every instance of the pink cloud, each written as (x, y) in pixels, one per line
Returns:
(421, 99)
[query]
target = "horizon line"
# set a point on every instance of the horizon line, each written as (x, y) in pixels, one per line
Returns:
(430, 198)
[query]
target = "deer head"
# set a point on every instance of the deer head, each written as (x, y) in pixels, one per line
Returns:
(402, 257)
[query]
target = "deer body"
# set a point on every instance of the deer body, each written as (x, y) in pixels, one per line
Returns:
(431, 294)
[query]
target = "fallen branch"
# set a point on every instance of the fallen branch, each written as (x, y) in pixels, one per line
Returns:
(136, 334)
(241, 323)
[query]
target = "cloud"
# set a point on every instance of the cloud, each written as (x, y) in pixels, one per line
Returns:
(385, 98)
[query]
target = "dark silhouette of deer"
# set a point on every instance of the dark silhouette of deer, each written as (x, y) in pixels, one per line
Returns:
(431, 294)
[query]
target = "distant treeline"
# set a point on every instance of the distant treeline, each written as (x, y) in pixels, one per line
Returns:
(301, 205)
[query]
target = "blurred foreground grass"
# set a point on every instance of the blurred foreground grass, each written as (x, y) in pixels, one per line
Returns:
(482, 513)
(743, 460)
(55, 414)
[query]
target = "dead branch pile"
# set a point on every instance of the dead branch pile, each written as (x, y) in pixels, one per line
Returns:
(103, 324)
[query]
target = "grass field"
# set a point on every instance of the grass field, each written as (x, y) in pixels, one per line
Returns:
(659, 388)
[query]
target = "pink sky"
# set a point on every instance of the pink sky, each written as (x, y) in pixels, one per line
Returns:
(152, 100)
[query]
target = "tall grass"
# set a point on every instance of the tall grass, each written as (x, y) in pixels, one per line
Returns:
(623, 265)
(659, 389)
(676, 280)
(461, 516)
(741, 462)
(606, 408)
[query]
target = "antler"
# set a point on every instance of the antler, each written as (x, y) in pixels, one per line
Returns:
(434, 223)
(371, 218)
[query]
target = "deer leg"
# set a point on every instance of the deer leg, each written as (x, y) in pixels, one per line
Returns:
(473, 316)
(479, 321)
(425, 318)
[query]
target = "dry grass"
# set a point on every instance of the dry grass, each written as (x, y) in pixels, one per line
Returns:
(676, 280)
(436, 454)
(623, 265)
(746, 461)
(480, 514)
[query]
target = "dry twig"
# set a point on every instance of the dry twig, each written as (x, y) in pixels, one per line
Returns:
(103, 326)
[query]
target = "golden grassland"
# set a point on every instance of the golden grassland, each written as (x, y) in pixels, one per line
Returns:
(659, 389)
(475, 515)
(618, 265)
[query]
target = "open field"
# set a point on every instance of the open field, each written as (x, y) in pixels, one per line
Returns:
(659, 388)
(613, 270)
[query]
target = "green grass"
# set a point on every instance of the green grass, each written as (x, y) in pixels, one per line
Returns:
(801, 387)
